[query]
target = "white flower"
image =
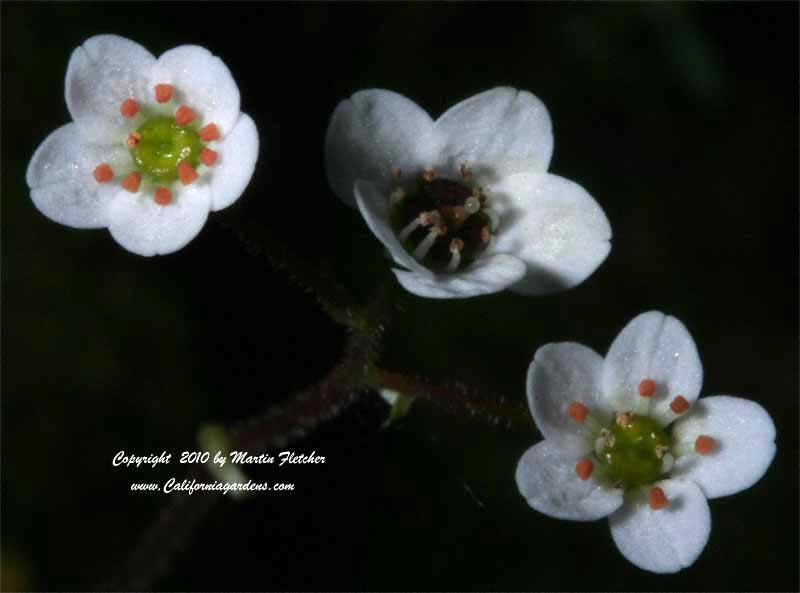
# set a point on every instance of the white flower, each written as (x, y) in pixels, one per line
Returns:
(155, 144)
(608, 452)
(465, 202)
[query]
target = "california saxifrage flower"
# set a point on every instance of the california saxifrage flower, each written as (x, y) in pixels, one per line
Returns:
(154, 145)
(465, 203)
(627, 438)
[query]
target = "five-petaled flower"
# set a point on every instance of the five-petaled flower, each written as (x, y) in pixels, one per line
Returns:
(465, 202)
(155, 144)
(609, 449)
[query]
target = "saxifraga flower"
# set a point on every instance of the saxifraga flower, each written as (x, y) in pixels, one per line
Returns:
(465, 203)
(628, 438)
(155, 144)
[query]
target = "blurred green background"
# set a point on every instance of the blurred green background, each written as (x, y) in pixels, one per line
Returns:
(681, 120)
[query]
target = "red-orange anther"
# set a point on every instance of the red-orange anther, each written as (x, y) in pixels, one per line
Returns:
(584, 468)
(704, 445)
(208, 157)
(208, 133)
(184, 115)
(658, 500)
(186, 173)
(163, 92)
(679, 405)
(162, 196)
(103, 173)
(129, 108)
(578, 412)
(133, 139)
(647, 388)
(132, 182)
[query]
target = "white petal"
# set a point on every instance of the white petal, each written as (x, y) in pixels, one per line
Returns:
(146, 228)
(658, 347)
(374, 206)
(559, 375)
(745, 444)
(203, 82)
(497, 133)
(374, 134)
(234, 168)
(668, 539)
(61, 178)
(102, 73)
(553, 225)
(546, 478)
(489, 274)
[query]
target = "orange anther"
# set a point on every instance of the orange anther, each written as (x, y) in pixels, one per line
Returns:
(129, 108)
(163, 92)
(208, 133)
(704, 445)
(133, 139)
(584, 469)
(184, 115)
(679, 405)
(208, 157)
(578, 412)
(486, 234)
(658, 500)
(132, 182)
(186, 173)
(647, 388)
(162, 196)
(103, 173)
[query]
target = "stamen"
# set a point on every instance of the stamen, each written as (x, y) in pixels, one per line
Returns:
(163, 92)
(129, 108)
(472, 205)
(667, 462)
(132, 182)
(162, 196)
(133, 139)
(624, 418)
(647, 388)
(606, 439)
(186, 173)
(486, 235)
(456, 245)
(578, 412)
(704, 445)
(658, 500)
(423, 248)
(103, 173)
(209, 133)
(410, 228)
(429, 218)
(465, 171)
(184, 115)
(428, 175)
(208, 157)
(679, 405)
(584, 468)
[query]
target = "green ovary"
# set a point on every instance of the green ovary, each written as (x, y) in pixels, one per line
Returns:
(633, 454)
(162, 146)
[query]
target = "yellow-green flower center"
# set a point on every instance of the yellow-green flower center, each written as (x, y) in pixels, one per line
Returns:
(161, 145)
(633, 453)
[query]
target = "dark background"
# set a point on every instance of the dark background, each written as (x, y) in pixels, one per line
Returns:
(681, 120)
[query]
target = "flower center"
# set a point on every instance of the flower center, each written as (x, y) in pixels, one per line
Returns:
(161, 144)
(632, 452)
(442, 222)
